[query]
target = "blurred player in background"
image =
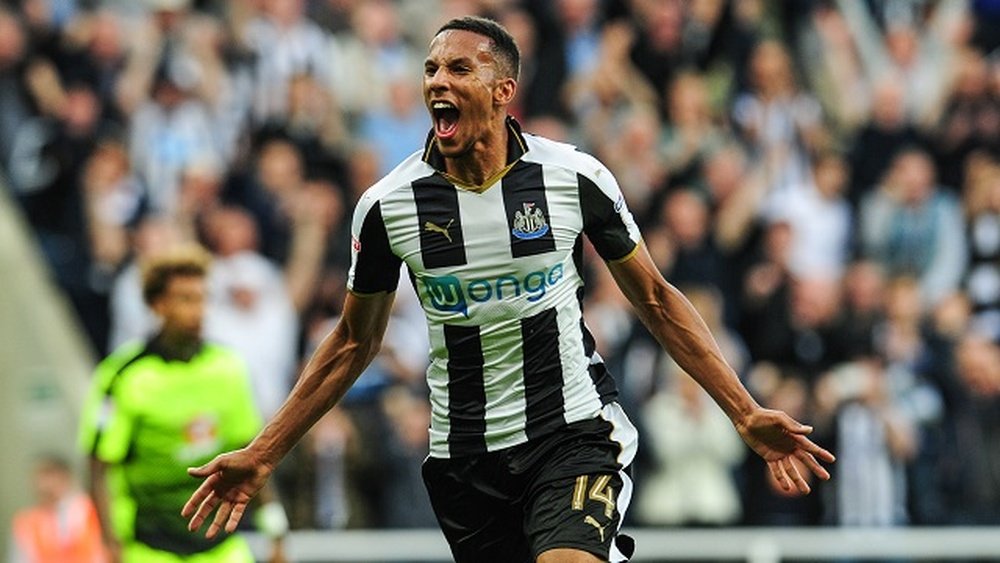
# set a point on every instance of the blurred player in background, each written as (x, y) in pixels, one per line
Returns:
(156, 407)
(530, 452)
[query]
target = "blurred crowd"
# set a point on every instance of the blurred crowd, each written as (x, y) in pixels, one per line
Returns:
(821, 177)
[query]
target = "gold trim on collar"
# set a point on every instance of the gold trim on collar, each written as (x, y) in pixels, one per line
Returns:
(480, 188)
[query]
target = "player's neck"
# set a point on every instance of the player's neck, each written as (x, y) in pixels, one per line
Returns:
(487, 159)
(178, 344)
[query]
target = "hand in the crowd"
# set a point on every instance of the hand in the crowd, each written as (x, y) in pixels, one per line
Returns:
(779, 439)
(231, 480)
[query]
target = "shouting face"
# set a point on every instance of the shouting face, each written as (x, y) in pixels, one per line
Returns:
(465, 90)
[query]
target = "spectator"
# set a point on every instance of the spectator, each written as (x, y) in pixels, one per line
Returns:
(695, 451)
(913, 227)
(250, 309)
(820, 219)
(881, 405)
(693, 131)
(976, 422)
(916, 54)
(394, 129)
(982, 281)
(62, 526)
(285, 43)
(406, 502)
(368, 58)
(887, 131)
(970, 120)
(131, 319)
(170, 132)
(778, 119)
(690, 256)
(601, 100)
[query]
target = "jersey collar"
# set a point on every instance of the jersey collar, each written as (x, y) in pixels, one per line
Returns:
(516, 146)
(157, 347)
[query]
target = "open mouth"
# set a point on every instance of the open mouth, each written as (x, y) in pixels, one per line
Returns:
(445, 119)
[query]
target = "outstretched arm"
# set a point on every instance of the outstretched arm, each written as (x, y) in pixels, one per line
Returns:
(232, 479)
(675, 324)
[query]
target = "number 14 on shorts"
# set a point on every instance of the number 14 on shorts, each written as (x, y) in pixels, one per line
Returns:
(600, 491)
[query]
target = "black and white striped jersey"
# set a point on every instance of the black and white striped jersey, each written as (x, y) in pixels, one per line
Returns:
(498, 273)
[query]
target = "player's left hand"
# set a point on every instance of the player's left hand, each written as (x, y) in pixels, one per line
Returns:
(778, 438)
(231, 480)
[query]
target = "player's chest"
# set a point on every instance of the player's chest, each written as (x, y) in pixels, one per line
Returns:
(530, 216)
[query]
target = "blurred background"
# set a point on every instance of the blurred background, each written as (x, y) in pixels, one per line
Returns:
(821, 177)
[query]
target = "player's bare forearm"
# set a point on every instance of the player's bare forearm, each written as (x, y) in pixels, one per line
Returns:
(672, 319)
(678, 327)
(98, 489)
(333, 368)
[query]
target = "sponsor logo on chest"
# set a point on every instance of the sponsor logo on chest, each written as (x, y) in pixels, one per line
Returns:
(450, 294)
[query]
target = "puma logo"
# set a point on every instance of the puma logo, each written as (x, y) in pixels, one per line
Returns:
(588, 519)
(428, 226)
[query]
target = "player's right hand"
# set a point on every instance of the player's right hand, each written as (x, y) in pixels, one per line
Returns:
(231, 480)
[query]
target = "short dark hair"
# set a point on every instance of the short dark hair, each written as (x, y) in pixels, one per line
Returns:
(504, 48)
(185, 260)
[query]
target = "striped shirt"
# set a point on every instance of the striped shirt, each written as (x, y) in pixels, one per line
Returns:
(498, 273)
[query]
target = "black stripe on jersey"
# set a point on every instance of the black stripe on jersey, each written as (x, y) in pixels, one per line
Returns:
(543, 374)
(523, 200)
(466, 390)
(440, 225)
(604, 382)
(377, 268)
(602, 222)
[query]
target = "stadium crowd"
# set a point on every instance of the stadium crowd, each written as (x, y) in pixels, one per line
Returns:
(821, 177)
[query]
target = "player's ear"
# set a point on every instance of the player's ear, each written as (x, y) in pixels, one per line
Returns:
(157, 306)
(504, 91)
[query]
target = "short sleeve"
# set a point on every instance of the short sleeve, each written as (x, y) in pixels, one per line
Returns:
(114, 428)
(374, 267)
(606, 219)
(102, 413)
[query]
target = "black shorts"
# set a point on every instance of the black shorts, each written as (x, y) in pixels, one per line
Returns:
(569, 489)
